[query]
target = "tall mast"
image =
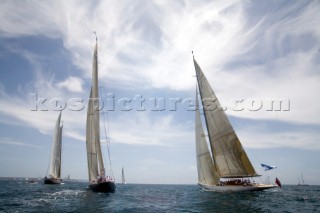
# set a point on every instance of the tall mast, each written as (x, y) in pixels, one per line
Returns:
(95, 96)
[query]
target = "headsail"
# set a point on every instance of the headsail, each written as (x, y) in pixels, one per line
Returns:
(228, 154)
(94, 154)
(55, 157)
(207, 173)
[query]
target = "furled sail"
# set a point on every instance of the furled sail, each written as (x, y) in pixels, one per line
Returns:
(55, 157)
(207, 173)
(94, 154)
(228, 154)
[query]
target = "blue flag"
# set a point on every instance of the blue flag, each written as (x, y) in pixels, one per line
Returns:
(268, 167)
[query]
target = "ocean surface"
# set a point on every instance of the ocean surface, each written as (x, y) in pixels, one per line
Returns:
(19, 196)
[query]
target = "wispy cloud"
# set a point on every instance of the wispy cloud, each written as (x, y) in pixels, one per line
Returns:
(246, 51)
(261, 53)
(13, 142)
(73, 84)
(257, 137)
(143, 129)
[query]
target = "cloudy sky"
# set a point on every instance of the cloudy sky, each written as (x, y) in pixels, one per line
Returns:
(252, 52)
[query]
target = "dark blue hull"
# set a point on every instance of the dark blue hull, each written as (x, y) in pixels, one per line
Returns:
(52, 181)
(108, 186)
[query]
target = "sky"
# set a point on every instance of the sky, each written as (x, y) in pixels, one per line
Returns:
(253, 53)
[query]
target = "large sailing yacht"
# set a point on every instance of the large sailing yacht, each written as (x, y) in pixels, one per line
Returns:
(98, 180)
(55, 157)
(227, 167)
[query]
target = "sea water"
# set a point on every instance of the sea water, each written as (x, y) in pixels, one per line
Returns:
(72, 196)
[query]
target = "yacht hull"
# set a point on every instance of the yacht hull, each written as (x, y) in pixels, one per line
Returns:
(237, 188)
(52, 181)
(107, 186)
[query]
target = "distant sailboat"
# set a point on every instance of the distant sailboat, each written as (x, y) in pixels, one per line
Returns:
(98, 181)
(302, 184)
(228, 158)
(67, 177)
(55, 157)
(123, 179)
(31, 180)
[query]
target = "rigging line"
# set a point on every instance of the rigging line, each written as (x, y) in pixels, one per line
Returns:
(106, 133)
(265, 172)
(106, 137)
(98, 97)
(207, 138)
(198, 156)
(106, 111)
(102, 40)
(206, 127)
(256, 157)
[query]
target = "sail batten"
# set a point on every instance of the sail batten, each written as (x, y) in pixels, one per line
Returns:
(228, 154)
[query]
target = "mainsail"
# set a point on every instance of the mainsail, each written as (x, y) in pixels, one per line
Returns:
(207, 173)
(229, 157)
(94, 154)
(55, 157)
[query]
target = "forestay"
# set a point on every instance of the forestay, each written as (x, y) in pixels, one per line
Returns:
(207, 173)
